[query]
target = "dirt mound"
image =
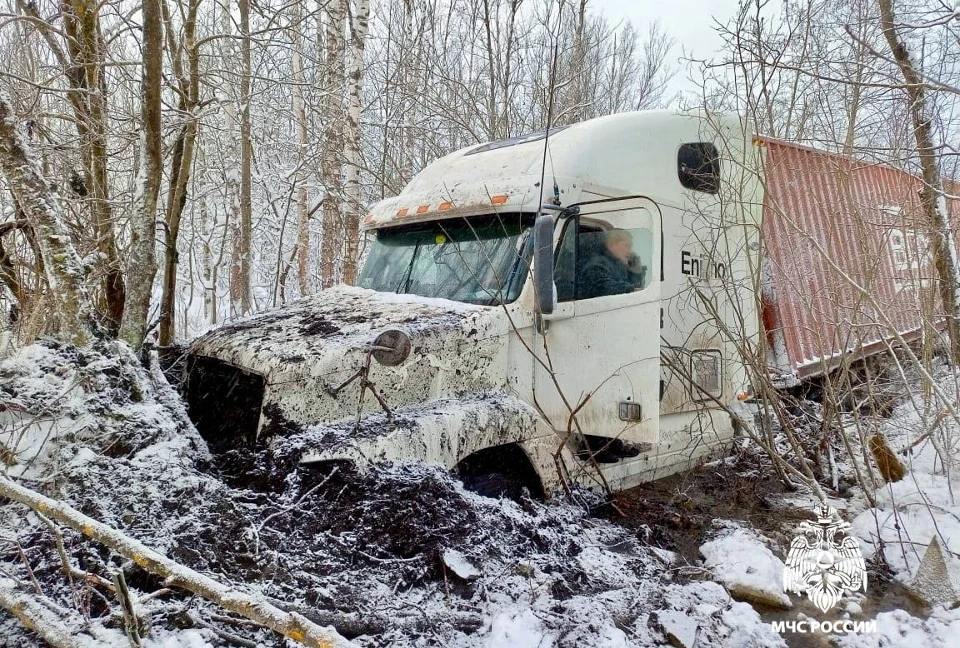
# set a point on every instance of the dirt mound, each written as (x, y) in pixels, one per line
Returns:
(396, 556)
(99, 399)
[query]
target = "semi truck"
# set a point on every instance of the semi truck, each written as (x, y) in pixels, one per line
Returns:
(485, 333)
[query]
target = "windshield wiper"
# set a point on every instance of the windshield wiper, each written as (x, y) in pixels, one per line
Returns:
(405, 279)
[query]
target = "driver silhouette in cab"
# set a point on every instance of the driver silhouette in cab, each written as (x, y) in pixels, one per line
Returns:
(613, 269)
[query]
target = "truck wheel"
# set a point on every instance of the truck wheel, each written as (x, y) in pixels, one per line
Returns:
(495, 485)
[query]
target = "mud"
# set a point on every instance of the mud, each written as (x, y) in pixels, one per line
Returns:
(678, 514)
(398, 519)
(318, 326)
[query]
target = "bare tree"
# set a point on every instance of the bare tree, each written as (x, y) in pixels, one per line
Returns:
(246, 162)
(87, 57)
(303, 244)
(358, 39)
(187, 75)
(42, 210)
(330, 165)
(932, 194)
(261, 105)
(142, 265)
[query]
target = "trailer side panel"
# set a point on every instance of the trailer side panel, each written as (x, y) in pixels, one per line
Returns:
(848, 258)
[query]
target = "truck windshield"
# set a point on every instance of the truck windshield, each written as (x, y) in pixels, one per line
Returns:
(478, 260)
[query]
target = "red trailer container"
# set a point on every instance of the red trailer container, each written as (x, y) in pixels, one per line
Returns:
(848, 259)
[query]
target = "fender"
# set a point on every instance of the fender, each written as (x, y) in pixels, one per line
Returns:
(441, 432)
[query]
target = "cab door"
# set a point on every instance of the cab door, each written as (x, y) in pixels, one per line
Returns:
(597, 366)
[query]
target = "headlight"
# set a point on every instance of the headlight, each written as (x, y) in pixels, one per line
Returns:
(391, 347)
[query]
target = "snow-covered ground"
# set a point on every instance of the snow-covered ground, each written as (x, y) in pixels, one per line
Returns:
(896, 529)
(403, 556)
(910, 513)
(739, 559)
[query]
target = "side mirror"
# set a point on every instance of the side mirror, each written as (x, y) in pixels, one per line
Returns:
(544, 291)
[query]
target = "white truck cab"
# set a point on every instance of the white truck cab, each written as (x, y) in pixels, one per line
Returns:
(456, 348)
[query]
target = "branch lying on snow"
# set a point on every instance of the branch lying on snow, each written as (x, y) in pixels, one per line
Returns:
(69, 570)
(355, 625)
(290, 624)
(43, 617)
(223, 634)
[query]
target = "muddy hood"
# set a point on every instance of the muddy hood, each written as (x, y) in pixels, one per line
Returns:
(305, 350)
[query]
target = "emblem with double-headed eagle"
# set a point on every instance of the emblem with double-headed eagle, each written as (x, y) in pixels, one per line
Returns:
(825, 562)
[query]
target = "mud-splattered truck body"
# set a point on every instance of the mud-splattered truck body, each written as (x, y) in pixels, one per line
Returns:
(444, 352)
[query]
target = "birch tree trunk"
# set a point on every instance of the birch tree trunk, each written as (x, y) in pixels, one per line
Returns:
(300, 119)
(492, 85)
(246, 160)
(358, 39)
(578, 93)
(408, 81)
(141, 262)
(231, 157)
(932, 195)
(52, 623)
(39, 204)
(208, 226)
(330, 163)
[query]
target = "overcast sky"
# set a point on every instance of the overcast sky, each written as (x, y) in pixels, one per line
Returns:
(689, 22)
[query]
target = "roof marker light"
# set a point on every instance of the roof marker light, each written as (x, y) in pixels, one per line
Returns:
(402, 212)
(423, 209)
(445, 206)
(499, 199)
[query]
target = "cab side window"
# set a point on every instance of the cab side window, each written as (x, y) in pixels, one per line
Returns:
(597, 259)
(565, 265)
(698, 167)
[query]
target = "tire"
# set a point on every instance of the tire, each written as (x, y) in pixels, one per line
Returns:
(496, 485)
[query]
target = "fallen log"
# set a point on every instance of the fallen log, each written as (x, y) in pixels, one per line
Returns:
(290, 624)
(39, 614)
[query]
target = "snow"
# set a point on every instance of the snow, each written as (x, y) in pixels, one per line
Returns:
(600, 565)
(899, 628)
(740, 560)
(521, 628)
(925, 502)
(182, 639)
(720, 621)
(404, 549)
(680, 626)
(459, 564)
(907, 516)
(436, 302)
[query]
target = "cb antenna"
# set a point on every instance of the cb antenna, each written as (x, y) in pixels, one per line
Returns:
(555, 201)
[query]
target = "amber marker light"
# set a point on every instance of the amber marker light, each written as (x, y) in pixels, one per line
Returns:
(423, 209)
(499, 199)
(445, 206)
(402, 212)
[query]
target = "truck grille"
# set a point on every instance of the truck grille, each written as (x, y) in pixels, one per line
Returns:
(223, 402)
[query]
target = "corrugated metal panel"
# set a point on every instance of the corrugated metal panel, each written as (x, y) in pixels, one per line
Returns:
(831, 226)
